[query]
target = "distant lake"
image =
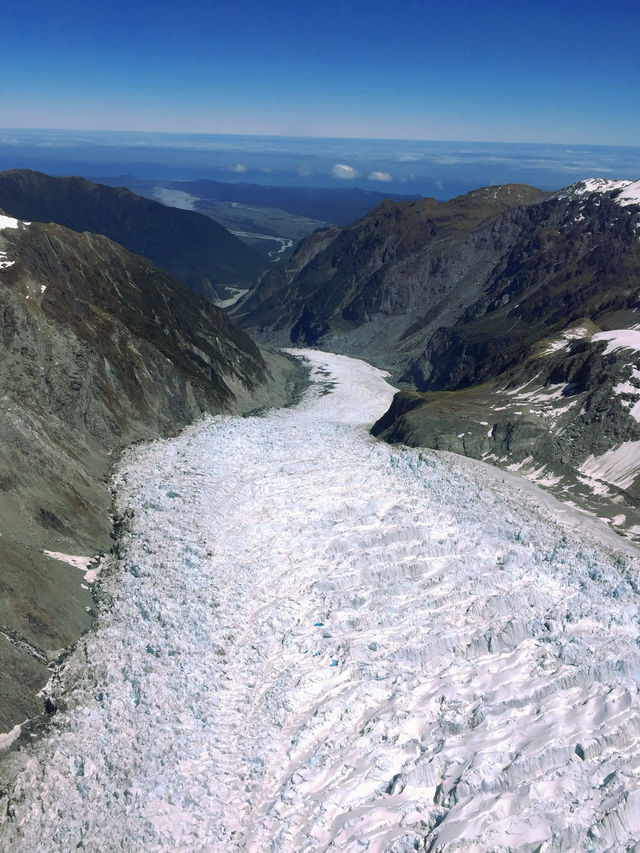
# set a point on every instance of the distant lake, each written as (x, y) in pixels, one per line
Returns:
(440, 169)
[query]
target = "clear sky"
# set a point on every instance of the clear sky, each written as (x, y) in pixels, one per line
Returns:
(500, 70)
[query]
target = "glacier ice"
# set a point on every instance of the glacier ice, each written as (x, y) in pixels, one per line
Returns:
(310, 640)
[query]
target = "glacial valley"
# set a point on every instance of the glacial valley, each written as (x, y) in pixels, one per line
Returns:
(309, 640)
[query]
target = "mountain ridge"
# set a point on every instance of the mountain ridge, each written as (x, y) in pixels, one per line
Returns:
(195, 249)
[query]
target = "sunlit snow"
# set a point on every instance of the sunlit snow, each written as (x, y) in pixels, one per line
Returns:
(7, 738)
(82, 563)
(629, 190)
(619, 466)
(619, 339)
(8, 222)
(314, 641)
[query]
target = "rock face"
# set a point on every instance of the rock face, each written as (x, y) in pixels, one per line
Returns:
(382, 286)
(541, 374)
(198, 251)
(568, 258)
(98, 348)
(448, 294)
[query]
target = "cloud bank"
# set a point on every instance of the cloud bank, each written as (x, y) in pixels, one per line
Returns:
(380, 176)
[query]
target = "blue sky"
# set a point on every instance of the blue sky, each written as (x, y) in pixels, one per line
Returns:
(564, 72)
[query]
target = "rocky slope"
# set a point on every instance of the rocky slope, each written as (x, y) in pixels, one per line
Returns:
(573, 256)
(198, 251)
(98, 348)
(562, 408)
(380, 287)
(493, 302)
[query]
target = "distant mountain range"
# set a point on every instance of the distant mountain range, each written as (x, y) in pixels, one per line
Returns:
(336, 205)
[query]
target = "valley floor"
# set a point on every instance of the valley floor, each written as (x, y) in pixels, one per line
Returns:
(314, 641)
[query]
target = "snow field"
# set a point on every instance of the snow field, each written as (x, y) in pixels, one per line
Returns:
(313, 641)
(629, 190)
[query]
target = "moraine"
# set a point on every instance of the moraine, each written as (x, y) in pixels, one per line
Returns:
(314, 641)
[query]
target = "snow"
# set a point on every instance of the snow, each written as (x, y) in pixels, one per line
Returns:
(4, 263)
(563, 341)
(554, 346)
(82, 563)
(619, 466)
(619, 339)
(630, 389)
(630, 190)
(313, 641)
(7, 738)
(8, 222)
(237, 294)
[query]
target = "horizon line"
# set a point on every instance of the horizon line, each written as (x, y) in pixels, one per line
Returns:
(314, 136)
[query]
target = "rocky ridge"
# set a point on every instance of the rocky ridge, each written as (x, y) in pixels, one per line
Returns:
(381, 286)
(201, 253)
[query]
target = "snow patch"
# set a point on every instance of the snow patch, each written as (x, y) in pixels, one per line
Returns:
(82, 563)
(8, 222)
(619, 466)
(236, 295)
(619, 339)
(629, 191)
(7, 738)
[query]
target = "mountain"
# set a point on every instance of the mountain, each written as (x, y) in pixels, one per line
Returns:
(541, 375)
(98, 349)
(379, 287)
(577, 255)
(509, 313)
(198, 251)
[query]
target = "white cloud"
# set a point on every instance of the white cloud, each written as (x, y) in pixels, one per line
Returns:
(380, 176)
(240, 168)
(175, 198)
(344, 172)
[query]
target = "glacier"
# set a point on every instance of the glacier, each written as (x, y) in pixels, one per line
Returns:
(308, 640)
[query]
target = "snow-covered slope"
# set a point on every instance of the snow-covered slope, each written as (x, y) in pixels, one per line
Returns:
(314, 641)
(628, 191)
